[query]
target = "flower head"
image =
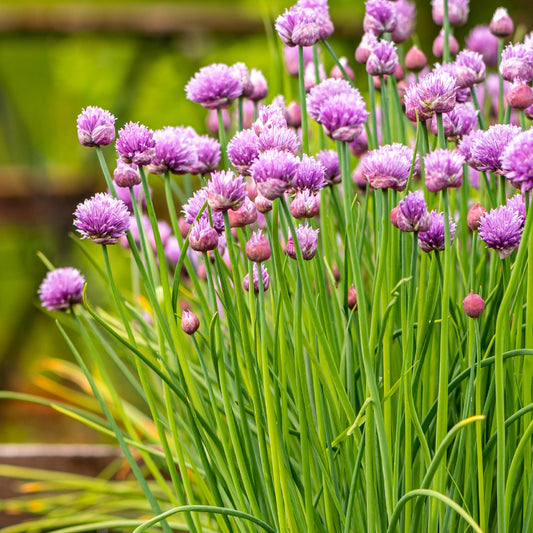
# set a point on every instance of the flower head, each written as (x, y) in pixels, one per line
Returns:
(208, 155)
(405, 20)
(225, 191)
(434, 238)
(258, 248)
(444, 168)
(243, 150)
(96, 127)
(215, 86)
(380, 17)
(245, 215)
(126, 174)
(501, 230)
(304, 26)
(388, 167)
(308, 241)
(474, 216)
(323, 91)
(265, 279)
(517, 62)
(413, 214)
(517, 161)
(329, 159)
(102, 218)
(135, 144)
(189, 322)
(436, 92)
(472, 64)
(343, 116)
(278, 138)
(309, 175)
(481, 40)
(415, 59)
(383, 59)
(460, 121)
(501, 24)
(305, 204)
(175, 150)
(203, 237)
(274, 172)
(517, 203)
(195, 204)
(123, 193)
(61, 288)
(473, 305)
(259, 84)
(290, 57)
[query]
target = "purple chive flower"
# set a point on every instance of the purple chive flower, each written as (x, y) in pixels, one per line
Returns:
(471, 62)
(501, 230)
(438, 44)
(364, 49)
(175, 151)
(474, 216)
(359, 145)
(258, 248)
(308, 240)
(309, 175)
(465, 146)
(501, 24)
(329, 159)
(460, 121)
(243, 151)
(413, 110)
(343, 116)
(473, 305)
(290, 56)
(412, 214)
(61, 288)
(135, 144)
(203, 237)
(323, 91)
(457, 11)
(126, 174)
(225, 191)
(215, 86)
(265, 279)
(436, 93)
(189, 322)
(245, 215)
(102, 218)
(208, 155)
(305, 204)
(434, 238)
(517, 161)
(193, 206)
(282, 139)
(488, 147)
(264, 205)
(383, 60)
(123, 193)
(259, 83)
(518, 203)
(273, 172)
(519, 95)
(481, 40)
(387, 167)
(96, 127)
(405, 20)
(301, 26)
(270, 116)
(517, 62)
(380, 17)
(244, 75)
(444, 168)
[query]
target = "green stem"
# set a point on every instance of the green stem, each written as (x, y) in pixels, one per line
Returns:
(303, 106)
(222, 139)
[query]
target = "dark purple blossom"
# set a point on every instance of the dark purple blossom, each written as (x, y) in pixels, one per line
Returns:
(136, 144)
(102, 218)
(517, 62)
(265, 279)
(444, 168)
(501, 230)
(96, 127)
(329, 159)
(413, 213)
(405, 20)
(215, 86)
(175, 151)
(61, 288)
(517, 161)
(434, 238)
(488, 147)
(225, 191)
(203, 237)
(343, 116)
(308, 241)
(243, 150)
(195, 204)
(380, 17)
(457, 11)
(274, 172)
(387, 167)
(481, 40)
(383, 60)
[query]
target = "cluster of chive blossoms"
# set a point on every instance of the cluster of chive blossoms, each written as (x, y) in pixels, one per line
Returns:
(267, 162)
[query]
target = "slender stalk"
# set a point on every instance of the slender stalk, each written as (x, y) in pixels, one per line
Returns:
(303, 105)
(222, 138)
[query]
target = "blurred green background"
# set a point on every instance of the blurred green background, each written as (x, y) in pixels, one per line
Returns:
(133, 58)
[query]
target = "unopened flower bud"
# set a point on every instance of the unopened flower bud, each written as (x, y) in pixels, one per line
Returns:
(294, 115)
(189, 322)
(475, 214)
(501, 24)
(244, 216)
(352, 298)
(519, 95)
(264, 205)
(203, 237)
(258, 248)
(304, 205)
(473, 305)
(415, 59)
(438, 44)
(394, 216)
